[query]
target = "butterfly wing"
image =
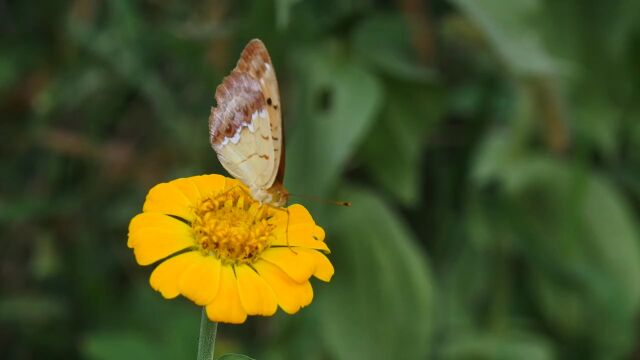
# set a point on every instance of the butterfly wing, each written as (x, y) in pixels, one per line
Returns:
(246, 126)
(256, 61)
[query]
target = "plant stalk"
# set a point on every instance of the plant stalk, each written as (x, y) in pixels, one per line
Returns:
(207, 341)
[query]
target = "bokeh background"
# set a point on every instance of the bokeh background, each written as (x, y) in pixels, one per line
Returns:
(491, 149)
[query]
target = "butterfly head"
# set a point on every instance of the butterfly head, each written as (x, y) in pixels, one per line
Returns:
(276, 195)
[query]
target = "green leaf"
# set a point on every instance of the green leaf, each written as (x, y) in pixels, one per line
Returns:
(234, 357)
(582, 247)
(341, 99)
(9, 71)
(384, 40)
(599, 125)
(31, 309)
(498, 346)
(507, 27)
(121, 345)
(395, 146)
(382, 284)
(122, 51)
(283, 12)
(144, 325)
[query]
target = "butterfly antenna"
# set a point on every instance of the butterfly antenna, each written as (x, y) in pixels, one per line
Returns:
(322, 200)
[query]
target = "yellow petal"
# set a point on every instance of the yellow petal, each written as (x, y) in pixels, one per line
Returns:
(234, 183)
(189, 188)
(166, 198)
(299, 265)
(291, 295)
(324, 269)
(303, 235)
(152, 244)
(209, 184)
(226, 306)
(297, 214)
(146, 221)
(256, 296)
(166, 276)
(201, 280)
(317, 233)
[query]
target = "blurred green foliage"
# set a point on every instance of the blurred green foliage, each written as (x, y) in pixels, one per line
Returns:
(491, 149)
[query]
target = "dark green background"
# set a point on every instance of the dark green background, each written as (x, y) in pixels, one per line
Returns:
(491, 149)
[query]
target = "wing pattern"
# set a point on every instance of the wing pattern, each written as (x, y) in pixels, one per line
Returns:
(245, 127)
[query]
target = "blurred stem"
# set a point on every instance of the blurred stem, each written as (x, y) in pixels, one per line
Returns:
(553, 114)
(417, 13)
(207, 341)
(498, 314)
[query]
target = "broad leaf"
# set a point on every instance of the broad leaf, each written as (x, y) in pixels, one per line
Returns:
(507, 27)
(234, 357)
(341, 100)
(396, 144)
(386, 42)
(382, 284)
(513, 345)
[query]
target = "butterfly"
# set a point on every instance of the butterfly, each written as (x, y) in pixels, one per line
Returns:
(245, 127)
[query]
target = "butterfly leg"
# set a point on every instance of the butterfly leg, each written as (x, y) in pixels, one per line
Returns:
(286, 233)
(233, 188)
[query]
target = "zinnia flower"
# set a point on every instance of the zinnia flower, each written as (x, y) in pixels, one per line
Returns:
(221, 249)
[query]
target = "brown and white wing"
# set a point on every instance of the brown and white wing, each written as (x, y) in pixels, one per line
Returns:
(246, 127)
(256, 61)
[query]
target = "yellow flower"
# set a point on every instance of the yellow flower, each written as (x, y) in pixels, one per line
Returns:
(223, 250)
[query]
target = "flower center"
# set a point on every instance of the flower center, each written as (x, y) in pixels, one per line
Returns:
(233, 227)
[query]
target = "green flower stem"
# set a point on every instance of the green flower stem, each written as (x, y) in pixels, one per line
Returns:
(207, 341)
